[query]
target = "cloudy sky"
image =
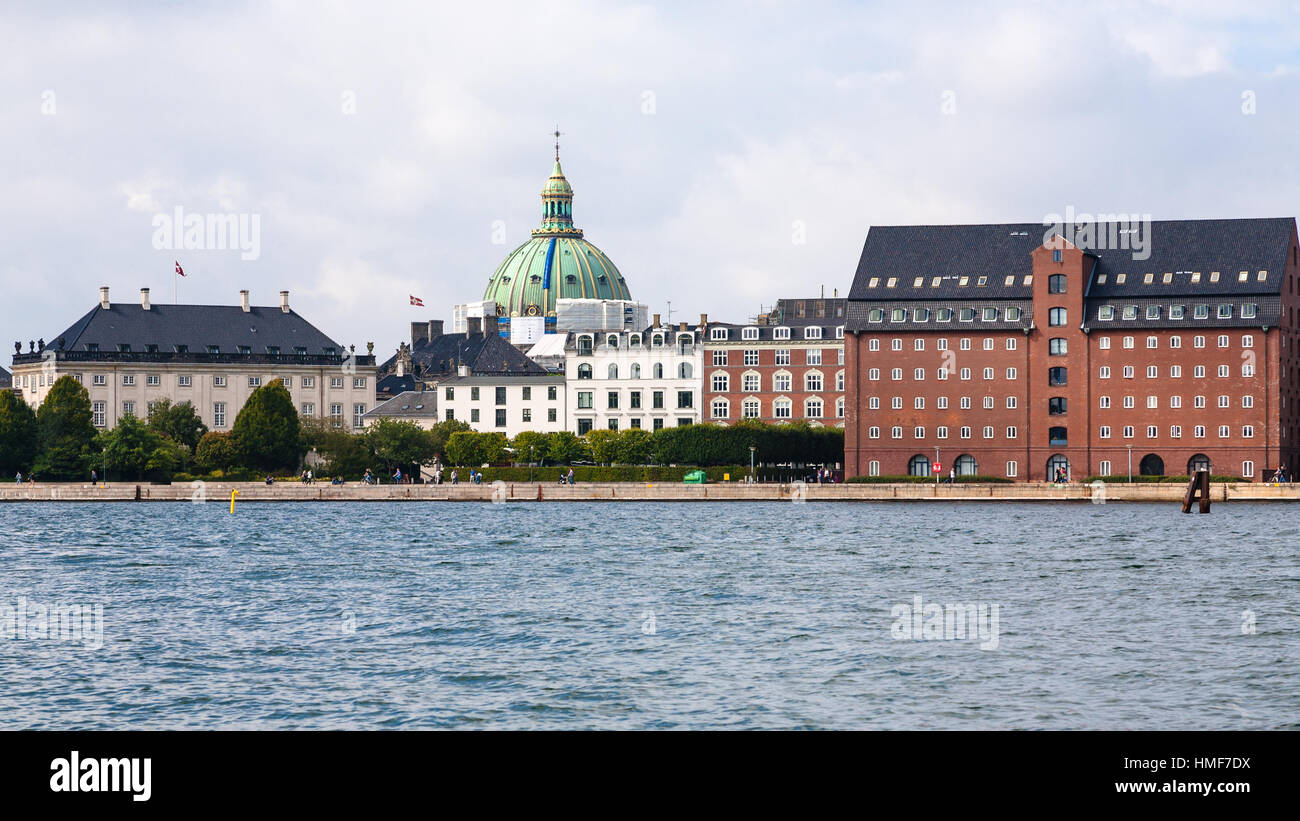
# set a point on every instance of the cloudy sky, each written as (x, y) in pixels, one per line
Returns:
(723, 156)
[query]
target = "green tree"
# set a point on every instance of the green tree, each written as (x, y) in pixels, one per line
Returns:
(65, 432)
(344, 453)
(133, 450)
(400, 443)
(633, 447)
(18, 438)
(214, 452)
(178, 422)
(564, 447)
(530, 446)
(474, 449)
(442, 431)
(603, 445)
(266, 433)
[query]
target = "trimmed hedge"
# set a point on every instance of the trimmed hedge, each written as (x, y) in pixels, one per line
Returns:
(1157, 479)
(929, 480)
(626, 473)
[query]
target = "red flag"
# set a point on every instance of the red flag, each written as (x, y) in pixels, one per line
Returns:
(415, 300)
(179, 270)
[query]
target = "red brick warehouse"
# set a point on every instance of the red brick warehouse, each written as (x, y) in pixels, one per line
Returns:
(1010, 350)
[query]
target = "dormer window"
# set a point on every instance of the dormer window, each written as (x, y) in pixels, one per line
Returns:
(876, 315)
(1153, 312)
(943, 315)
(273, 350)
(123, 347)
(812, 332)
(749, 333)
(1013, 314)
(967, 315)
(657, 341)
(245, 349)
(990, 314)
(918, 315)
(92, 347)
(299, 350)
(331, 351)
(612, 340)
(181, 348)
(781, 333)
(839, 331)
(151, 348)
(214, 349)
(898, 315)
(1106, 313)
(634, 340)
(717, 333)
(1130, 312)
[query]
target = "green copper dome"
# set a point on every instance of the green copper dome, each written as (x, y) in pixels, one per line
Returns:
(557, 263)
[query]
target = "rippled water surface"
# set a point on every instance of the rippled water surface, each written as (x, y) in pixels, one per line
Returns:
(631, 615)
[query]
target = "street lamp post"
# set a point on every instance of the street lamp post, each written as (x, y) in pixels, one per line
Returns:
(1130, 464)
(937, 464)
(531, 463)
(751, 463)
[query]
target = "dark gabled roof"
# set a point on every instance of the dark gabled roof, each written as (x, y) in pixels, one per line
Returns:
(394, 384)
(909, 252)
(408, 404)
(481, 353)
(195, 326)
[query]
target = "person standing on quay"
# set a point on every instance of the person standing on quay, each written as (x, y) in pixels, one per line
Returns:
(570, 475)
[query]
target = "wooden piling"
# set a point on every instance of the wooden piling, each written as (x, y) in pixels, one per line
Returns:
(1198, 490)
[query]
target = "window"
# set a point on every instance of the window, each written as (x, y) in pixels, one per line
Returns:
(634, 400)
(1104, 372)
(500, 396)
(218, 414)
(584, 426)
(685, 371)
(359, 410)
(1057, 376)
(1056, 405)
(1104, 433)
(657, 400)
(1056, 347)
(612, 371)
(718, 409)
(1106, 313)
(813, 408)
(584, 371)
(657, 372)
(718, 333)
(525, 416)
(584, 400)
(781, 409)
(98, 412)
(152, 380)
(941, 432)
(1176, 431)
(636, 366)
(128, 379)
(720, 383)
(813, 356)
(746, 333)
(500, 417)
(719, 357)
(751, 382)
(781, 333)
(781, 382)
(749, 409)
(1128, 371)
(612, 400)
(1128, 431)
(1056, 317)
(552, 392)
(918, 374)
(1056, 282)
(812, 382)
(98, 379)
(308, 409)
(473, 394)
(964, 432)
(336, 414)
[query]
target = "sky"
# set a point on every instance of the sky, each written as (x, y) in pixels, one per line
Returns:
(724, 155)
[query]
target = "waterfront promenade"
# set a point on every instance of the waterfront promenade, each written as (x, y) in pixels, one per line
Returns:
(219, 492)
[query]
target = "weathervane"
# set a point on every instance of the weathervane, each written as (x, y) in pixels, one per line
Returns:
(558, 134)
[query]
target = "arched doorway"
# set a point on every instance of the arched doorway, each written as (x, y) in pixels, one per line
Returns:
(918, 465)
(1152, 465)
(1057, 461)
(965, 465)
(1198, 462)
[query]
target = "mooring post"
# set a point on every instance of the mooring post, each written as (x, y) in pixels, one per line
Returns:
(1198, 490)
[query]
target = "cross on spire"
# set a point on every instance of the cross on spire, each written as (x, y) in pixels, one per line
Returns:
(558, 134)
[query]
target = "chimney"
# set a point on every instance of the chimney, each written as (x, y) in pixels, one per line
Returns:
(401, 368)
(474, 325)
(462, 370)
(243, 300)
(704, 320)
(144, 298)
(103, 298)
(681, 326)
(419, 333)
(835, 293)
(656, 322)
(490, 326)
(284, 302)
(435, 329)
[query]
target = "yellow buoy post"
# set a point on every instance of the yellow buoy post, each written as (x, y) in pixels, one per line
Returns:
(233, 494)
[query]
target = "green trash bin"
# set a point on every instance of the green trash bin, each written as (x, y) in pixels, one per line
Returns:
(695, 477)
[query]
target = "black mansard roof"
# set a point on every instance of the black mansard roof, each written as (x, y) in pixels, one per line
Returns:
(167, 332)
(1239, 262)
(907, 253)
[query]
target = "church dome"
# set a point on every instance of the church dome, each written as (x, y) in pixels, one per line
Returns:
(557, 263)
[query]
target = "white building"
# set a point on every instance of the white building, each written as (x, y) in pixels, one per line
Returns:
(504, 403)
(634, 379)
